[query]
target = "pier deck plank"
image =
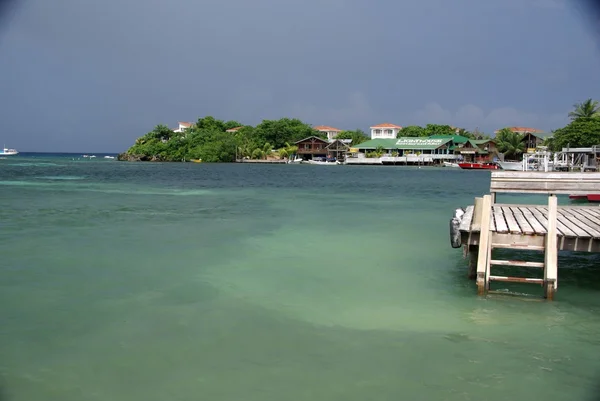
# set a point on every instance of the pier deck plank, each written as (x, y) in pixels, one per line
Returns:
(521, 220)
(578, 227)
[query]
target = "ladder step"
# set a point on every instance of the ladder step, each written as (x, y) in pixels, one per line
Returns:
(524, 247)
(516, 263)
(517, 279)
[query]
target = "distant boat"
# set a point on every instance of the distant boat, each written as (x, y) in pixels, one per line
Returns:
(450, 164)
(196, 160)
(109, 157)
(478, 166)
(511, 166)
(8, 152)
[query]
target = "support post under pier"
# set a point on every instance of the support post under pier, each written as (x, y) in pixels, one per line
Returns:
(483, 257)
(551, 251)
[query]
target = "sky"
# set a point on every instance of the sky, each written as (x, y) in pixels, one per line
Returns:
(83, 76)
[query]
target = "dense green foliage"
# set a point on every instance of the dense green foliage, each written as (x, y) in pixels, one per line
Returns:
(437, 129)
(209, 141)
(357, 136)
(581, 132)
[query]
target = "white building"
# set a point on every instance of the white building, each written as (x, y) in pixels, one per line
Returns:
(330, 131)
(183, 126)
(385, 131)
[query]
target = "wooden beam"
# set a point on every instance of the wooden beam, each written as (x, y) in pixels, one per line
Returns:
(544, 183)
(484, 246)
(551, 256)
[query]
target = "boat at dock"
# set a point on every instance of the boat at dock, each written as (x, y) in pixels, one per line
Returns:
(585, 198)
(511, 165)
(478, 166)
(450, 164)
(8, 152)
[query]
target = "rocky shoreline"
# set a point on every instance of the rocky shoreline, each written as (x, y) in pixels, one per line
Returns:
(126, 157)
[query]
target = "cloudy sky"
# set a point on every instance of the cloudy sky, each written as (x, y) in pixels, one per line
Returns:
(94, 75)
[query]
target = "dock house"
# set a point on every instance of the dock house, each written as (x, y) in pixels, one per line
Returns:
(407, 150)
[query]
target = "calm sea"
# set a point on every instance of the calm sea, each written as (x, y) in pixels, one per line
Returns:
(129, 281)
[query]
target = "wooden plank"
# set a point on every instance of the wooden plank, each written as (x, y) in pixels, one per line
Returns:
(588, 213)
(593, 211)
(565, 229)
(586, 223)
(522, 263)
(465, 223)
(513, 227)
(476, 223)
(501, 226)
(541, 175)
(537, 212)
(544, 183)
(538, 226)
(517, 279)
(526, 226)
(539, 187)
(568, 228)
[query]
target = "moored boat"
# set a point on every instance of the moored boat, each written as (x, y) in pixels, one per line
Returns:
(450, 164)
(585, 197)
(593, 197)
(478, 166)
(511, 165)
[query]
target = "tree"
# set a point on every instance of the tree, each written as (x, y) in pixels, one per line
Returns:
(211, 123)
(510, 143)
(278, 132)
(412, 131)
(357, 136)
(580, 133)
(437, 129)
(586, 109)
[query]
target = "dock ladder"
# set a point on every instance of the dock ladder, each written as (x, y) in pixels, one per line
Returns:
(488, 241)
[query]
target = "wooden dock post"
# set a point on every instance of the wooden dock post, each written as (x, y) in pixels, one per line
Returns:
(551, 251)
(483, 256)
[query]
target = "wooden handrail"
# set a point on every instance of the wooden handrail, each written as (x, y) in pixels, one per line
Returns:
(544, 183)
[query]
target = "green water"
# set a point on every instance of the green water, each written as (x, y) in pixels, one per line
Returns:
(124, 281)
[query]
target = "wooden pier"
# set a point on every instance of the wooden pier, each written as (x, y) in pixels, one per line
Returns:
(488, 225)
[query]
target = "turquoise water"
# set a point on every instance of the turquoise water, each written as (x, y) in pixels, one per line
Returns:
(126, 281)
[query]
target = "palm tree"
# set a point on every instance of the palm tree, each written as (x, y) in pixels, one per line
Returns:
(267, 150)
(586, 109)
(511, 144)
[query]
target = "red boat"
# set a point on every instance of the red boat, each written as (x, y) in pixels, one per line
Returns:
(588, 197)
(478, 166)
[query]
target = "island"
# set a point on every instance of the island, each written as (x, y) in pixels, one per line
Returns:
(212, 141)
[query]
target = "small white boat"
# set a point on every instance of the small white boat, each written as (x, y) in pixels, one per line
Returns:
(109, 157)
(511, 165)
(8, 152)
(323, 163)
(296, 160)
(450, 164)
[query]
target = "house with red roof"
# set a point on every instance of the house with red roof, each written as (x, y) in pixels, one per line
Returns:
(331, 132)
(385, 131)
(182, 126)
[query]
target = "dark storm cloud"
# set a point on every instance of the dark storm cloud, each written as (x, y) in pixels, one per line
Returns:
(92, 76)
